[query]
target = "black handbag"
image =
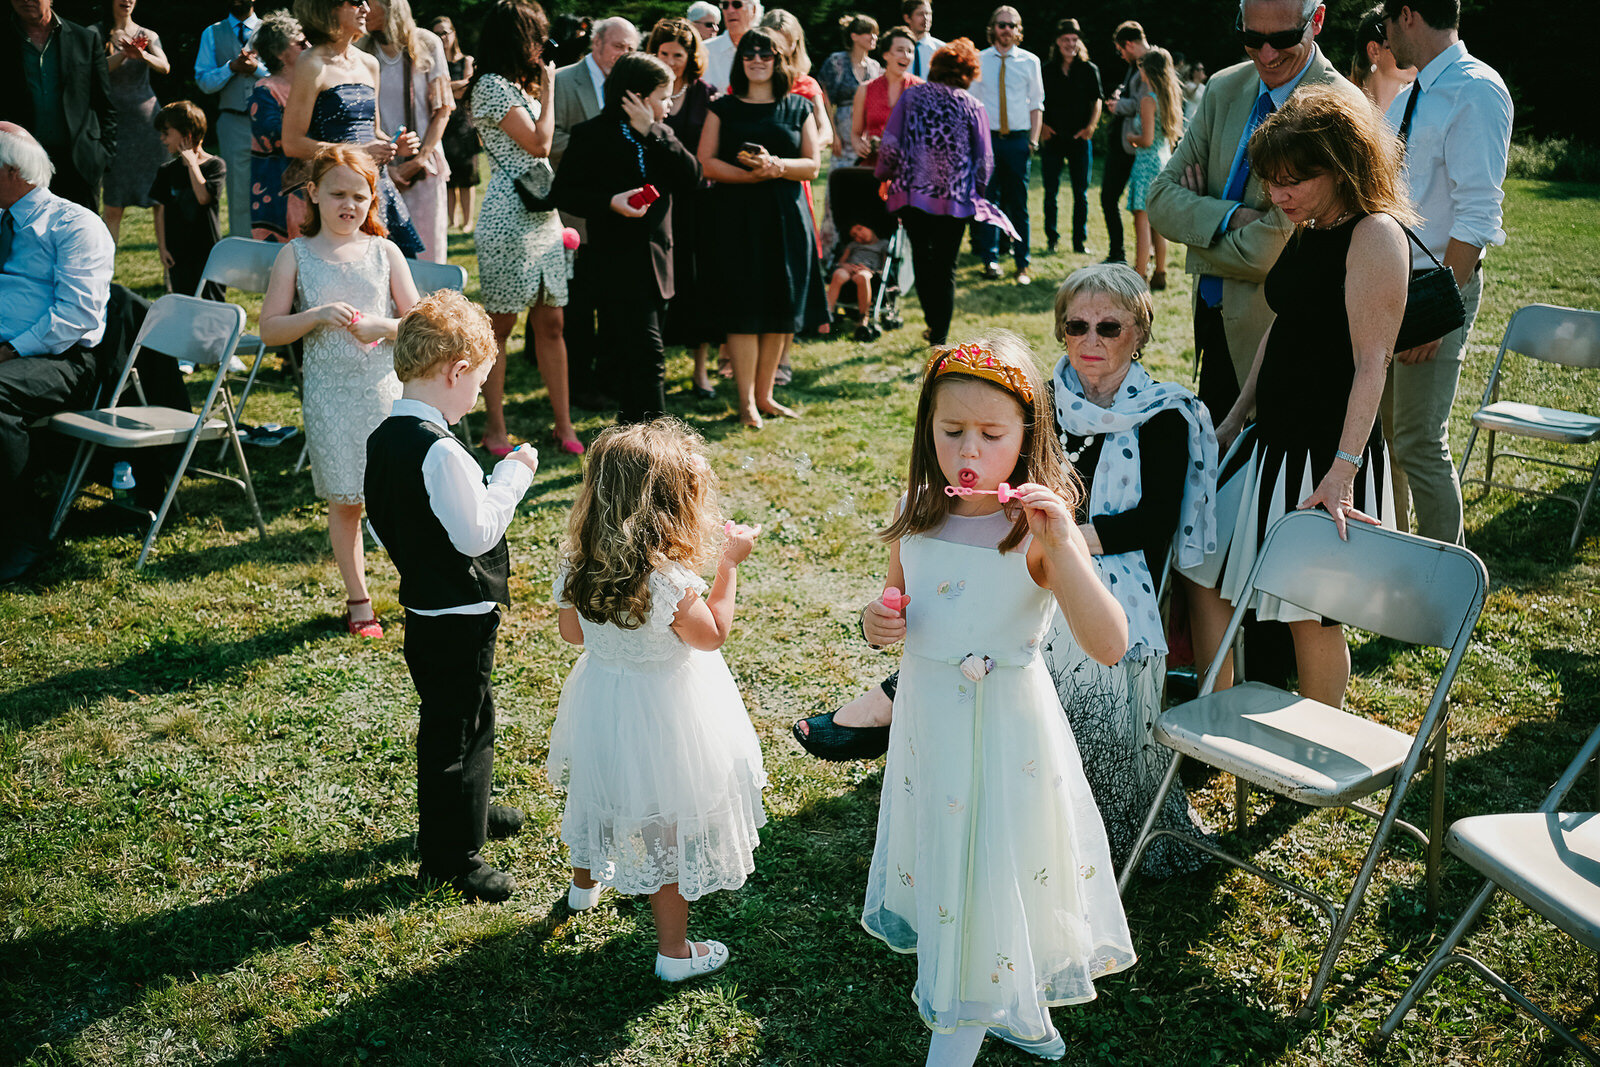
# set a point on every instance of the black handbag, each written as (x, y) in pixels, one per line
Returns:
(1433, 304)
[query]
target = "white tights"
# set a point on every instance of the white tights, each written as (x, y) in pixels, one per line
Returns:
(959, 1049)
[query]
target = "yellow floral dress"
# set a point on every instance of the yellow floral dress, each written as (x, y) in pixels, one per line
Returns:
(991, 861)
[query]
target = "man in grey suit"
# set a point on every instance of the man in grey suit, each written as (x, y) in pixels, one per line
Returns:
(578, 97)
(1207, 198)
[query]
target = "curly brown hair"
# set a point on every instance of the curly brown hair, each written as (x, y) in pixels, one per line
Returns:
(648, 498)
(955, 64)
(1041, 459)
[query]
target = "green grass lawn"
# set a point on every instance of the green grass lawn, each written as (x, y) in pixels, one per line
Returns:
(207, 793)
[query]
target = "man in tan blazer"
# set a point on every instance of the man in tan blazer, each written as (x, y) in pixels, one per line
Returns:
(1207, 199)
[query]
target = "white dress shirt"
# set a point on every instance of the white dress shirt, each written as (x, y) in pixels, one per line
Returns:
(208, 74)
(475, 515)
(719, 62)
(925, 49)
(1024, 87)
(56, 281)
(1456, 150)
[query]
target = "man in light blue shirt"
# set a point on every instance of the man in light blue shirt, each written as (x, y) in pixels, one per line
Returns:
(1456, 123)
(918, 17)
(1011, 89)
(56, 261)
(228, 66)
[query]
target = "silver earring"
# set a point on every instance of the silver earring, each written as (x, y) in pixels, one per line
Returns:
(1374, 68)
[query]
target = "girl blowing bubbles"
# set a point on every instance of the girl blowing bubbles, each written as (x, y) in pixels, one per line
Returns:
(652, 742)
(355, 287)
(991, 861)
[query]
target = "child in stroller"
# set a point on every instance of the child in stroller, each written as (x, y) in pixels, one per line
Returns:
(861, 261)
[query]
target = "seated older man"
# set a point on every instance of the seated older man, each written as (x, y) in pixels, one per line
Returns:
(56, 261)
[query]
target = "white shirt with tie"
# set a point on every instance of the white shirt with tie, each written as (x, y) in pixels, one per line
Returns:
(1024, 81)
(925, 49)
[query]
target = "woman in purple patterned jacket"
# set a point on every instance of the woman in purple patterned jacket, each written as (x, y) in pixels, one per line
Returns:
(936, 157)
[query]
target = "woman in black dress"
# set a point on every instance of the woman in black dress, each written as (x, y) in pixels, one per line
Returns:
(760, 146)
(1339, 291)
(691, 320)
(610, 163)
(460, 136)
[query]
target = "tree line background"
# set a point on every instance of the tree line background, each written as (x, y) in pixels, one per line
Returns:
(1554, 88)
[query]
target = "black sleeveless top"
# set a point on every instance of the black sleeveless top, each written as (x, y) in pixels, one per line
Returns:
(1303, 389)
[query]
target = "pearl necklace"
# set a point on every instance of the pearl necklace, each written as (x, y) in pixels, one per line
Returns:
(1072, 457)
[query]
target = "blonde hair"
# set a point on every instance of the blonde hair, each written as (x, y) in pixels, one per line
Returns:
(648, 498)
(1157, 66)
(795, 34)
(1040, 460)
(1321, 130)
(442, 329)
(1118, 281)
(400, 29)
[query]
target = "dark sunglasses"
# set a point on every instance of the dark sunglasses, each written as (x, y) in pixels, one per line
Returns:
(1110, 329)
(709, 24)
(1279, 41)
(1005, 25)
(735, 4)
(758, 52)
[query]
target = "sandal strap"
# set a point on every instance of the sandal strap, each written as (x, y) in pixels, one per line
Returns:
(363, 600)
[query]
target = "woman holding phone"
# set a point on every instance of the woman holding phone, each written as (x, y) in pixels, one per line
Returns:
(760, 145)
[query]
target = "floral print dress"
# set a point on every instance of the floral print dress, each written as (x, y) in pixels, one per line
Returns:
(991, 862)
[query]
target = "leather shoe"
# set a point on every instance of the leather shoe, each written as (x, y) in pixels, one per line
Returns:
(826, 739)
(672, 969)
(991, 271)
(505, 820)
(18, 560)
(482, 882)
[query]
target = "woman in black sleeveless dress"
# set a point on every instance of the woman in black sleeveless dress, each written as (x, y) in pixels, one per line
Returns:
(1339, 292)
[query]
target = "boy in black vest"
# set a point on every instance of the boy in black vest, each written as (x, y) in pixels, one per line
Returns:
(445, 530)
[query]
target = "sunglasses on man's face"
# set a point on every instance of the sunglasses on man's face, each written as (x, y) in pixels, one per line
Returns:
(1005, 25)
(734, 4)
(1107, 328)
(1279, 41)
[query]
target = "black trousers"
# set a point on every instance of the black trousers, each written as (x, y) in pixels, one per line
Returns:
(586, 369)
(630, 335)
(1219, 383)
(935, 244)
(33, 388)
(451, 658)
(1113, 180)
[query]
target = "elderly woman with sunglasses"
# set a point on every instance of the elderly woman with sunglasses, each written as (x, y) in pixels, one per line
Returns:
(1148, 459)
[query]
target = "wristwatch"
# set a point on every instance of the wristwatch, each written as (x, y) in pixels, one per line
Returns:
(1355, 461)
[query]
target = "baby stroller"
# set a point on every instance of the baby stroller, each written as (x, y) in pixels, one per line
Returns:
(854, 191)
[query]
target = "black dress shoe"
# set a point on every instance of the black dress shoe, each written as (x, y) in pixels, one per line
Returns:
(18, 560)
(482, 882)
(505, 820)
(1050, 244)
(827, 740)
(1081, 249)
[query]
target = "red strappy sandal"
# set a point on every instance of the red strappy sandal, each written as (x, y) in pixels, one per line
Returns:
(366, 627)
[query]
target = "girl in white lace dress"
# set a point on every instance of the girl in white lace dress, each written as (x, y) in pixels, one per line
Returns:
(352, 287)
(991, 862)
(652, 742)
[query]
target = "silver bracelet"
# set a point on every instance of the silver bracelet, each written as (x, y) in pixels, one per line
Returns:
(1356, 461)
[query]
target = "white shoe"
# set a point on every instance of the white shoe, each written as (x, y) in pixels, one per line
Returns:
(583, 899)
(672, 969)
(1050, 1048)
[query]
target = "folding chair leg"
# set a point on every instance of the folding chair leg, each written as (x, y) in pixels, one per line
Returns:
(1436, 963)
(1143, 840)
(1488, 460)
(172, 491)
(305, 450)
(244, 475)
(1241, 802)
(1466, 456)
(69, 492)
(1577, 527)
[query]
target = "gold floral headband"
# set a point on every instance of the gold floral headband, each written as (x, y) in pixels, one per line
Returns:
(980, 362)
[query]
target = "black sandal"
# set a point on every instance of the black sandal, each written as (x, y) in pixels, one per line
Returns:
(827, 740)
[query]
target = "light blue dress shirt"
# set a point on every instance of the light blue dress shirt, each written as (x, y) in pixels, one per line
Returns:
(56, 281)
(208, 73)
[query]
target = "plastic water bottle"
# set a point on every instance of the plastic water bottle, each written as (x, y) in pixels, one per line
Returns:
(122, 482)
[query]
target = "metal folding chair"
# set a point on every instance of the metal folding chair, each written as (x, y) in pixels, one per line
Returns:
(203, 332)
(1403, 587)
(1550, 334)
(246, 265)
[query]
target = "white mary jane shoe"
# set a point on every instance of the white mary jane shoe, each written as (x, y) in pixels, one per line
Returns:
(582, 899)
(672, 969)
(1050, 1048)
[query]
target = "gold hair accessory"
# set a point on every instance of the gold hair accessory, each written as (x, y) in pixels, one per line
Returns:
(978, 361)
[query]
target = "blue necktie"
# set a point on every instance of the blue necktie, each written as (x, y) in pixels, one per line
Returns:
(916, 62)
(1210, 284)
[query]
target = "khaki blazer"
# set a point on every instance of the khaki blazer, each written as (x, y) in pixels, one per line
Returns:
(1242, 257)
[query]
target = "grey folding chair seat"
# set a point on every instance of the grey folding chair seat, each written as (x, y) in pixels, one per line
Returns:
(1404, 587)
(202, 332)
(1550, 334)
(1549, 860)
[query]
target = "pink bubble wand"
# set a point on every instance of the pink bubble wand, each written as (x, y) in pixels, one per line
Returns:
(1004, 493)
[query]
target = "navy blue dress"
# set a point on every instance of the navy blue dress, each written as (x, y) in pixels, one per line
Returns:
(348, 114)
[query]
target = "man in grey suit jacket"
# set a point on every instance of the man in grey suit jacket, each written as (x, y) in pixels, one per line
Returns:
(578, 96)
(1207, 199)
